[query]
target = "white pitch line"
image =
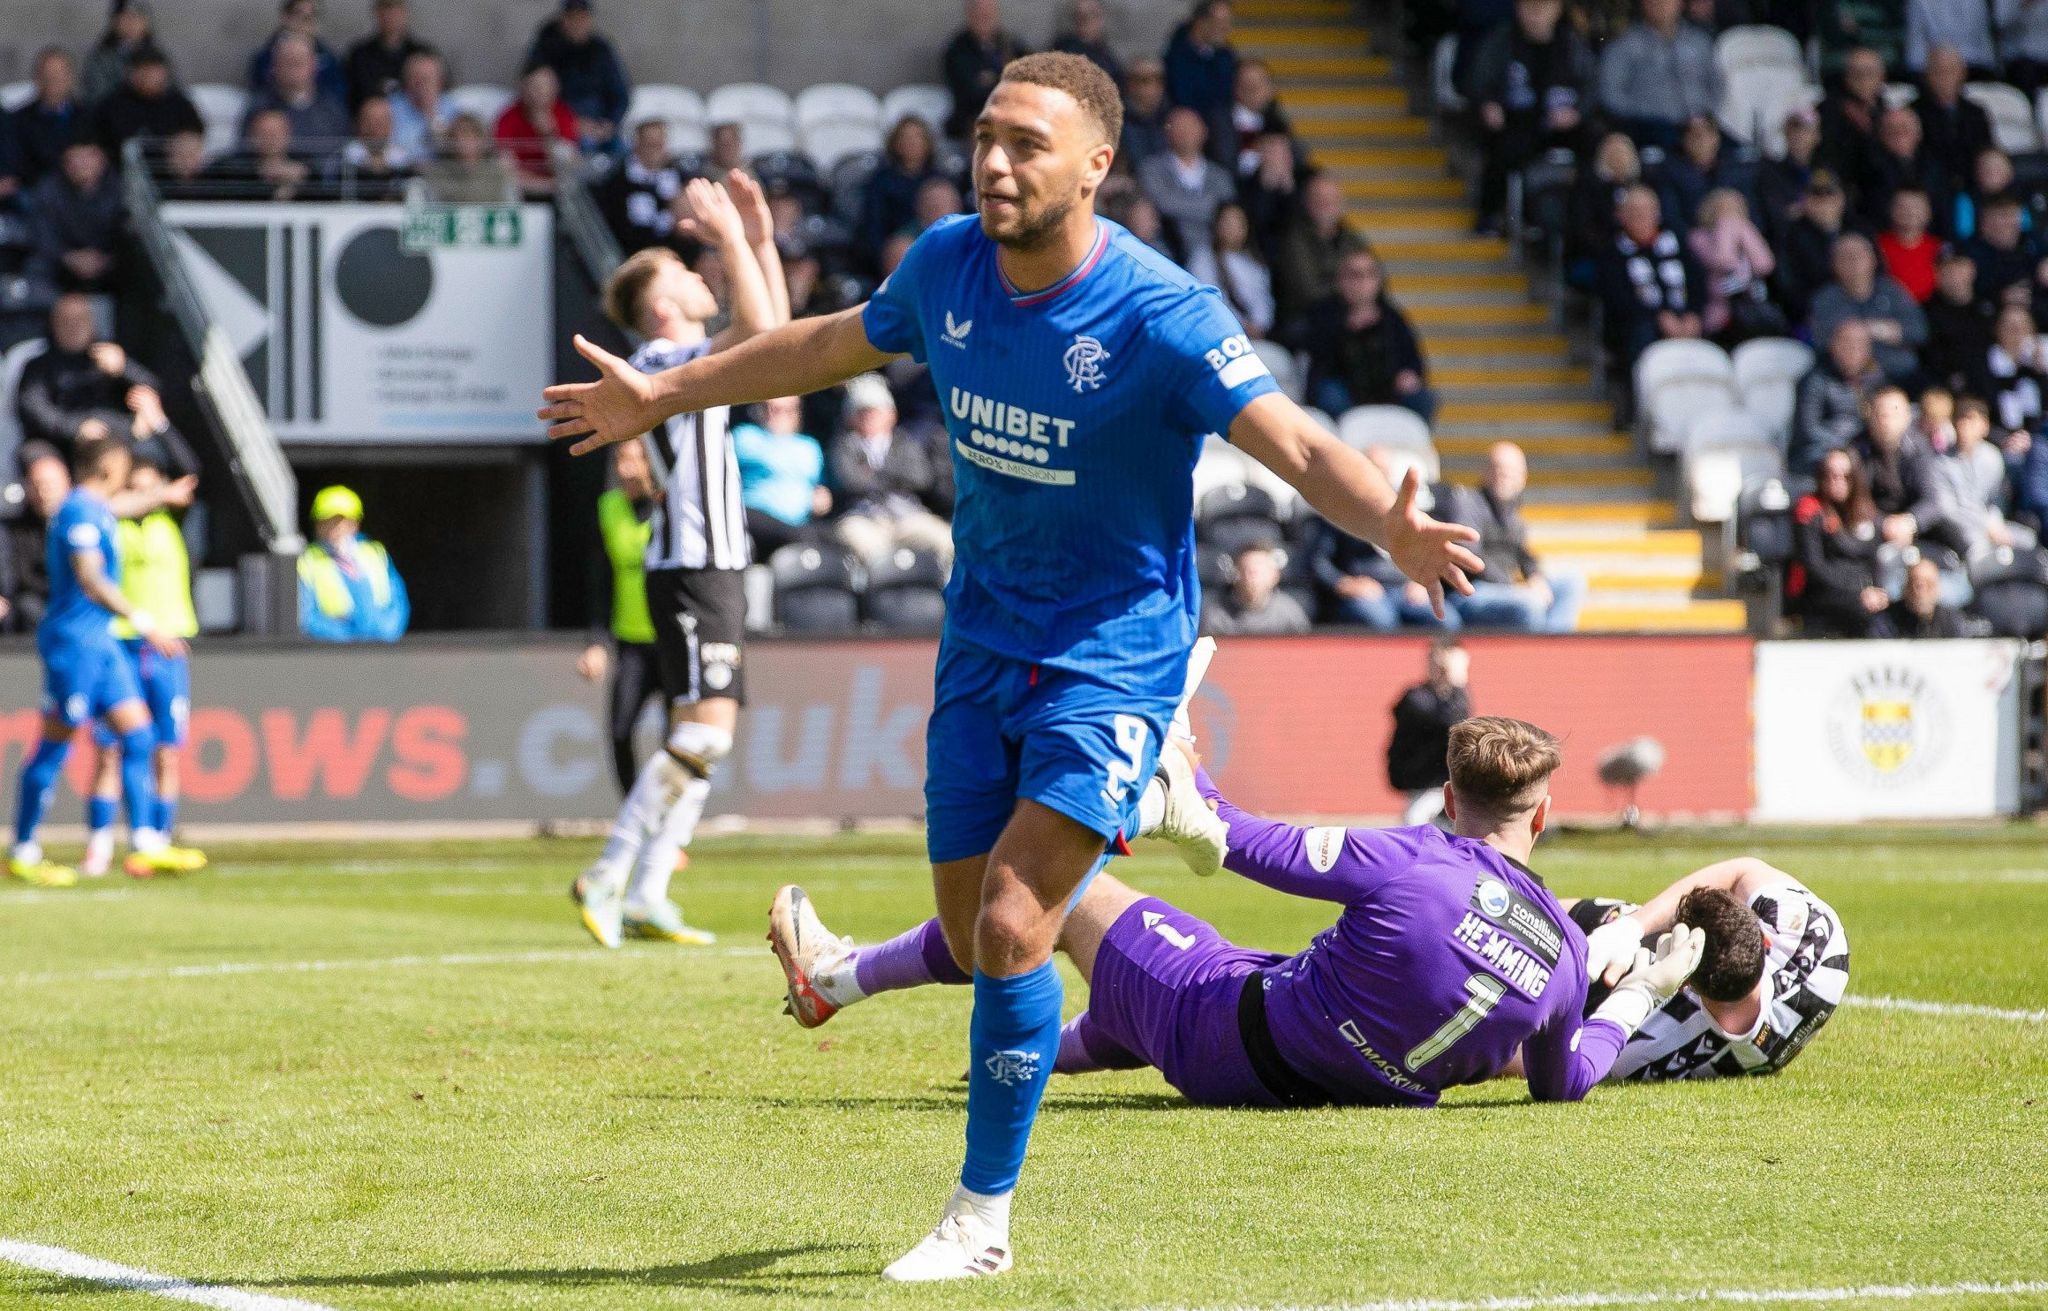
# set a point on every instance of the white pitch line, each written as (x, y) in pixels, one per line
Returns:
(220, 969)
(77, 1265)
(1945, 1008)
(1697, 1297)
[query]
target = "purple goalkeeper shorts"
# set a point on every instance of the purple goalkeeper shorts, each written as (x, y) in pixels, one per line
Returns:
(1166, 987)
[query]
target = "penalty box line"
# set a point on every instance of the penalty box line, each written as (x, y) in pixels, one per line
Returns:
(109, 1274)
(1692, 1297)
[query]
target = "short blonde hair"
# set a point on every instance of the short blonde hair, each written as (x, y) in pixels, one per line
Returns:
(627, 287)
(1501, 766)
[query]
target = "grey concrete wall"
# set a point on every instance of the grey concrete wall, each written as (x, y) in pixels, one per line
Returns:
(699, 43)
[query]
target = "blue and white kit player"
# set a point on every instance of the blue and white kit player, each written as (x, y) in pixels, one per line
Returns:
(1079, 374)
(87, 676)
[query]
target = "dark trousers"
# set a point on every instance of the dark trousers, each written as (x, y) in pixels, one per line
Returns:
(635, 682)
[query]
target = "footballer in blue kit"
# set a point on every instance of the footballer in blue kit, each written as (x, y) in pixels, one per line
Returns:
(86, 676)
(1079, 375)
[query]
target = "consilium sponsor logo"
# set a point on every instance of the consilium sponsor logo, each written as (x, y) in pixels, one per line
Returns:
(1493, 897)
(1888, 726)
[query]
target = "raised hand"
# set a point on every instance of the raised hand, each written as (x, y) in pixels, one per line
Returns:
(618, 407)
(1427, 550)
(708, 215)
(752, 203)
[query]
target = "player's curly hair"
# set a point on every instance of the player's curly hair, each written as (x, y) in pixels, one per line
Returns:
(1081, 78)
(1500, 765)
(628, 284)
(1733, 958)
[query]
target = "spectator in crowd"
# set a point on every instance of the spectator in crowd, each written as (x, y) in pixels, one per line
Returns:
(1201, 64)
(2011, 375)
(1423, 719)
(83, 388)
(1145, 107)
(2026, 464)
(1590, 224)
(146, 106)
(1185, 185)
(1230, 263)
(1849, 114)
(1991, 182)
(376, 64)
(973, 63)
(726, 150)
(46, 481)
(106, 69)
(619, 608)
(1737, 261)
(782, 471)
(1087, 35)
(349, 591)
(76, 215)
(1357, 582)
(1955, 127)
(373, 166)
(1962, 31)
(1254, 113)
(1901, 161)
(1806, 251)
(1980, 483)
(895, 490)
(469, 170)
(1781, 182)
(319, 119)
(1905, 483)
(1909, 250)
(300, 20)
(1832, 582)
(589, 78)
(44, 126)
(182, 173)
(889, 200)
(1700, 165)
(534, 127)
(638, 198)
(1514, 591)
(1305, 270)
(1532, 81)
(2023, 42)
(1958, 322)
(1860, 291)
(1652, 287)
(1141, 217)
(264, 168)
(938, 198)
(1936, 423)
(421, 110)
(1828, 410)
(1919, 613)
(1659, 75)
(1270, 192)
(2007, 261)
(1253, 605)
(1361, 349)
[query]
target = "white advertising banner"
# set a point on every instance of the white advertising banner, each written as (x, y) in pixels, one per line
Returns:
(1887, 730)
(380, 323)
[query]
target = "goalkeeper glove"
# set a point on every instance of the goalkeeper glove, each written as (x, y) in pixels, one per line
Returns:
(1654, 979)
(1611, 949)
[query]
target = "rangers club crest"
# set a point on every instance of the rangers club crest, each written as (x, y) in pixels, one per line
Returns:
(1083, 362)
(1012, 1066)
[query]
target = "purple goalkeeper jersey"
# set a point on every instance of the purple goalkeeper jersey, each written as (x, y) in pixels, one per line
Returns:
(1448, 958)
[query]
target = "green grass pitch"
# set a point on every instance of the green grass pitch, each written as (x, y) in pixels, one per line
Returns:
(270, 1076)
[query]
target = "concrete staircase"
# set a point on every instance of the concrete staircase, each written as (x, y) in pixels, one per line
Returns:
(1500, 365)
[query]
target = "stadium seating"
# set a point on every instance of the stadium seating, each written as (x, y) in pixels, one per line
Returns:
(11, 364)
(1234, 516)
(1395, 427)
(933, 104)
(2012, 118)
(482, 99)
(1442, 88)
(1758, 45)
(14, 95)
(816, 589)
(829, 143)
(1287, 372)
(765, 114)
(1724, 449)
(1756, 99)
(220, 108)
(905, 592)
(837, 102)
(1675, 379)
(1767, 374)
(678, 106)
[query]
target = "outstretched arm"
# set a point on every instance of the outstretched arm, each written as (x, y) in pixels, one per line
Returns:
(1328, 864)
(1611, 947)
(1565, 1058)
(802, 356)
(1345, 488)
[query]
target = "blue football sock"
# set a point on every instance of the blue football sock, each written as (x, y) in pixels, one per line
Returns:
(1013, 1040)
(38, 780)
(166, 814)
(99, 812)
(138, 781)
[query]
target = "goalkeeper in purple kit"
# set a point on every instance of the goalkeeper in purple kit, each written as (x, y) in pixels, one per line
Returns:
(1449, 957)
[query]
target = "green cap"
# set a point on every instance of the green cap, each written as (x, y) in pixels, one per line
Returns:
(337, 502)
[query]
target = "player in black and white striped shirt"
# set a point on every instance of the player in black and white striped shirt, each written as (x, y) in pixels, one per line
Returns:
(697, 547)
(1775, 967)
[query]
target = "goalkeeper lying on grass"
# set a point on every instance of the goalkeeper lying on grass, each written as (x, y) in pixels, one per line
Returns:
(1449, 958)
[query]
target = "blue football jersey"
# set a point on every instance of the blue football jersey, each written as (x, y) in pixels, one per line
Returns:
(84, 522)
(1075, 415)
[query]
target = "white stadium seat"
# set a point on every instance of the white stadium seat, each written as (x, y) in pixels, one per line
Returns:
(1900, 95)
(1756, 100)
(220, 108)
(16, 94)
(1667, 361)
(1286, 371)
(1221, 465)
(828, 143)
(933, 104)
(1758, 45)
(1674, 406)
(766, 117)
(483, 99)
(1714, 478)
(1766, 358)
(1772, 402)
(837, 102)
(2012, 118)
(11, 364)
(1714, 429)
(678, 106)
(1441, 61)
(1395, 427)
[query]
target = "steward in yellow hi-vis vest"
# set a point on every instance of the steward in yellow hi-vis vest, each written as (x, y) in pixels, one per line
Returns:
(348, 589)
